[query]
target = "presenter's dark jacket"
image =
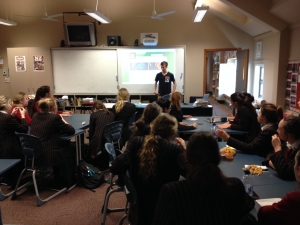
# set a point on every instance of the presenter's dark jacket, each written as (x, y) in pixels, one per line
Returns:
(49, 128)
(284, 212)
(182, 202)
(246, 120)
(8, 126)
(261, 145)
(124, 115)
(284, 162)
(170, 164)
(98, 121)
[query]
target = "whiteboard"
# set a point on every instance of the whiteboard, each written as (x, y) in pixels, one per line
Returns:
(84, 71)
(103, 71)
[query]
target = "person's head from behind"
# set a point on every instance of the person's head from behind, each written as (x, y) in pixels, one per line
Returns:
(123, 95)
(203, 155)
(20, 99)
(248, 97)
(98, 105)
(42, 92)
(151, 111)
(165, 104)
(176, 98)
(269, 113)
(237, 99)
(47, 105)
(297, 167)
(289, 129)
(163, 127)
(164, 66)
(5, 103)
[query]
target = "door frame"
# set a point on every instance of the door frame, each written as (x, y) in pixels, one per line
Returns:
(205, 61)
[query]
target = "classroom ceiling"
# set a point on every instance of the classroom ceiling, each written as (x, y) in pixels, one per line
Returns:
(255, 17)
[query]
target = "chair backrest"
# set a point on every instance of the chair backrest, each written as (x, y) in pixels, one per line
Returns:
(1, 145)
(166, 96)
(206, 96)
(109, 147)
(113, 133)
(31, 145)
(132, 120)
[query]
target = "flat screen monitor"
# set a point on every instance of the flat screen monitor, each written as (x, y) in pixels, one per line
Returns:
(80, 34)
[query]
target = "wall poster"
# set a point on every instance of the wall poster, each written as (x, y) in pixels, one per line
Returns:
(20, 63)
(38, 63)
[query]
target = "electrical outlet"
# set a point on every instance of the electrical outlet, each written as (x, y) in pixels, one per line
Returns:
(7, 80)
(4, 72)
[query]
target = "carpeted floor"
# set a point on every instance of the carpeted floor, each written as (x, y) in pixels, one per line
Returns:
(79, 207)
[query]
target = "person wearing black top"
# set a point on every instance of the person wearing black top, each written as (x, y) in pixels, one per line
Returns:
(207, 196)
(164, 78)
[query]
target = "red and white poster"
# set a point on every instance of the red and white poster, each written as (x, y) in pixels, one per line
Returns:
(38, 63)
(20, 63)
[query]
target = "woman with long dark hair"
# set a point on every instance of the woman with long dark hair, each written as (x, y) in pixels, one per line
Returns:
(269, 116)
(207, 196)
(153, 161)
(245, 118)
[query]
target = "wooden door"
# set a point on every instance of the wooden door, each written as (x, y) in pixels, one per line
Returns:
(242, 70)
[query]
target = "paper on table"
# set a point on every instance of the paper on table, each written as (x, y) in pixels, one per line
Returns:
(191, 119)
(267, 201)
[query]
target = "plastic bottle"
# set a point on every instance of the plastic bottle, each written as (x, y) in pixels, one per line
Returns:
(248, 183)
(213, 129)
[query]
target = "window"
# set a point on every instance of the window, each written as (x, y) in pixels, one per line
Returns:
(258, 81)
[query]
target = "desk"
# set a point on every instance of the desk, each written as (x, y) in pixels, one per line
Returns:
(5, 165)
(203, 125)
(76, 121)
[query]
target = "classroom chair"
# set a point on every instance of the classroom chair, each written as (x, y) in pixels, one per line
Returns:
(113, 185)
(113, 134)
(166, 96)
(32, 148)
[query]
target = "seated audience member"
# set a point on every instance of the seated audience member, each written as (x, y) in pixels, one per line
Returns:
(21, 100)
(123, 110)
(48, 126)
(282, 159)
(269, 116)
(176, 107)
(287, 210)
(11, 145)
(98, 120)
(44, 92)
(245, 118)
(153, 161)
(165, 104)
(207, 196)
(142, 125)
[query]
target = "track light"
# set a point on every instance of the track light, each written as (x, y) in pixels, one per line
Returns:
(97, 16)
(199, 13)
(7, 22)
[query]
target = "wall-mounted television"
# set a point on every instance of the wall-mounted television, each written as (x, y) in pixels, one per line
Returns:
(80, 34)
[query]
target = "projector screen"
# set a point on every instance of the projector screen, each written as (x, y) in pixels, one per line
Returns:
(137, 68)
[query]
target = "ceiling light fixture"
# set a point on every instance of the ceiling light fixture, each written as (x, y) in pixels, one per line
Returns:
(199, 13)
(7, 22)
(97, 16)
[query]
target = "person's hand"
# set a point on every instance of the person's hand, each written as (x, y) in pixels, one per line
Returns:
(230, 115)
(222, 134)
(276, 143)
(67, 113)
(230, 118)
(62, 117)
(195, 124)
(224, 126)
(22, 112)
(14, 111)
(181, 142)
(187, 116)
(156, 93)
(183, 123)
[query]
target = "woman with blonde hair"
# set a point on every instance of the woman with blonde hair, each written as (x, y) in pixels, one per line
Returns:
(11, 146)
(123, 110)
(48, 126)
(21, 100)
(153, 161)
(98, 120)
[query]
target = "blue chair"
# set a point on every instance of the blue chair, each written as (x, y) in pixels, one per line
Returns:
(166, 96)
(32, 148)
(113, 134)
(113, 185)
